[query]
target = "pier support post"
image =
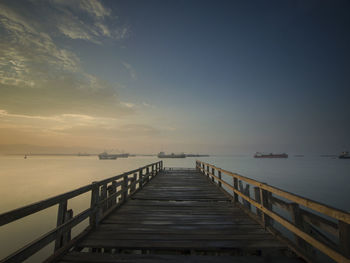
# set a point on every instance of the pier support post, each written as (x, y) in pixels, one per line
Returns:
(94, 204)
(245, 190)
(235, 186)
(344, 237)
(141, 179)
(125, 188)
(67, 236)
(265, 201)
(62, 210)
(111, 190)
(103, 197)
(147, 174)
(257, 198)
(297, 220)
(133, 183)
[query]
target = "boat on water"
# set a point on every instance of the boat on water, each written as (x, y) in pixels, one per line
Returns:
(122, 155)
(344, 155)
(197, 155)
(172, 155)
(83, 154)
(106, 156)
(270, 155)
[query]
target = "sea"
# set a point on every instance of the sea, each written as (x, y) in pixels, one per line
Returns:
(25, 181)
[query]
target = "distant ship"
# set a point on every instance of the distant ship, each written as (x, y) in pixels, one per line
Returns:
(197, 155)
(123, 155)
(106, 156)
(344, 155)
(172, 155)
(83, 154)
(270, 155)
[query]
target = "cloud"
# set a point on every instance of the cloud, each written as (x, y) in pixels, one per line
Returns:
(40, 76)
(88, 20)
(128, 105)
(130, 70)
(95, 8)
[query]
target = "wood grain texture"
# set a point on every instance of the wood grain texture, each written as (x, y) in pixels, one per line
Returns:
(179, 212)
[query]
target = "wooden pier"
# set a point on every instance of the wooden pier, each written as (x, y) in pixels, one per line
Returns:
(156, 214)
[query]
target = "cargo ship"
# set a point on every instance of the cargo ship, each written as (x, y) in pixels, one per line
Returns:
(106, 156)
(172, 155)
(270, 155)
(122, 155)
(344, 155)
(197, 155)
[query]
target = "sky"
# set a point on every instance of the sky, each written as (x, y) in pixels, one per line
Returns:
(216, 77)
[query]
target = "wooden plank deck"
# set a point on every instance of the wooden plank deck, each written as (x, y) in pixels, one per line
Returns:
(179, 216)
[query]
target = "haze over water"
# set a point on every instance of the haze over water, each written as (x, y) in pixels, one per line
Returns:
(24, 181)
(225, 78)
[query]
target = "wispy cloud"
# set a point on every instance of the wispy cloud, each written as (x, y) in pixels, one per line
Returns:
(87, 20)
(130, 69)
(39, 75)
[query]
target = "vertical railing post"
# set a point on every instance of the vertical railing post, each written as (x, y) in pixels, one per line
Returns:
(219, 175)
(246, 191)
(298, 221)
(235, 186)
(208, 171)
(103, 197)
(125, 188)
(141, 179)
(153, 171)
(133, 183)
(111, 189)
(62, 210)
(94, 204)
(344, 237)
(257, 199)
(213, 173)
(265, 201)
(147, 174)
(67, 236)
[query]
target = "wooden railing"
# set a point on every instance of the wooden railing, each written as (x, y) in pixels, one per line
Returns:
(106, 195)
(313, 225)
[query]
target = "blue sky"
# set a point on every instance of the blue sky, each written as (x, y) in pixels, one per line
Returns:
(196, 76)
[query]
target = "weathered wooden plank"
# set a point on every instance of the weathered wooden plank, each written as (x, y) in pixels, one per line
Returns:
(209, 245)
(202, 218)
(150, 258)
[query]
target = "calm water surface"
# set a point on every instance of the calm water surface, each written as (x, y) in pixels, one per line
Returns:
(24, 181)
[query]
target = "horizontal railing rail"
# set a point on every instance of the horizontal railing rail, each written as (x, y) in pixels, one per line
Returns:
(106, 195)
(313, 224)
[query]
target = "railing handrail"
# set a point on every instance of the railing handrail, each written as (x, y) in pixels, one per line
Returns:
(264, 214)
(18, 213)
(309, 203)
(103, 201)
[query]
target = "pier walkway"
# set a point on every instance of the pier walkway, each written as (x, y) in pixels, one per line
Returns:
(177, 213)
(203, 214)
